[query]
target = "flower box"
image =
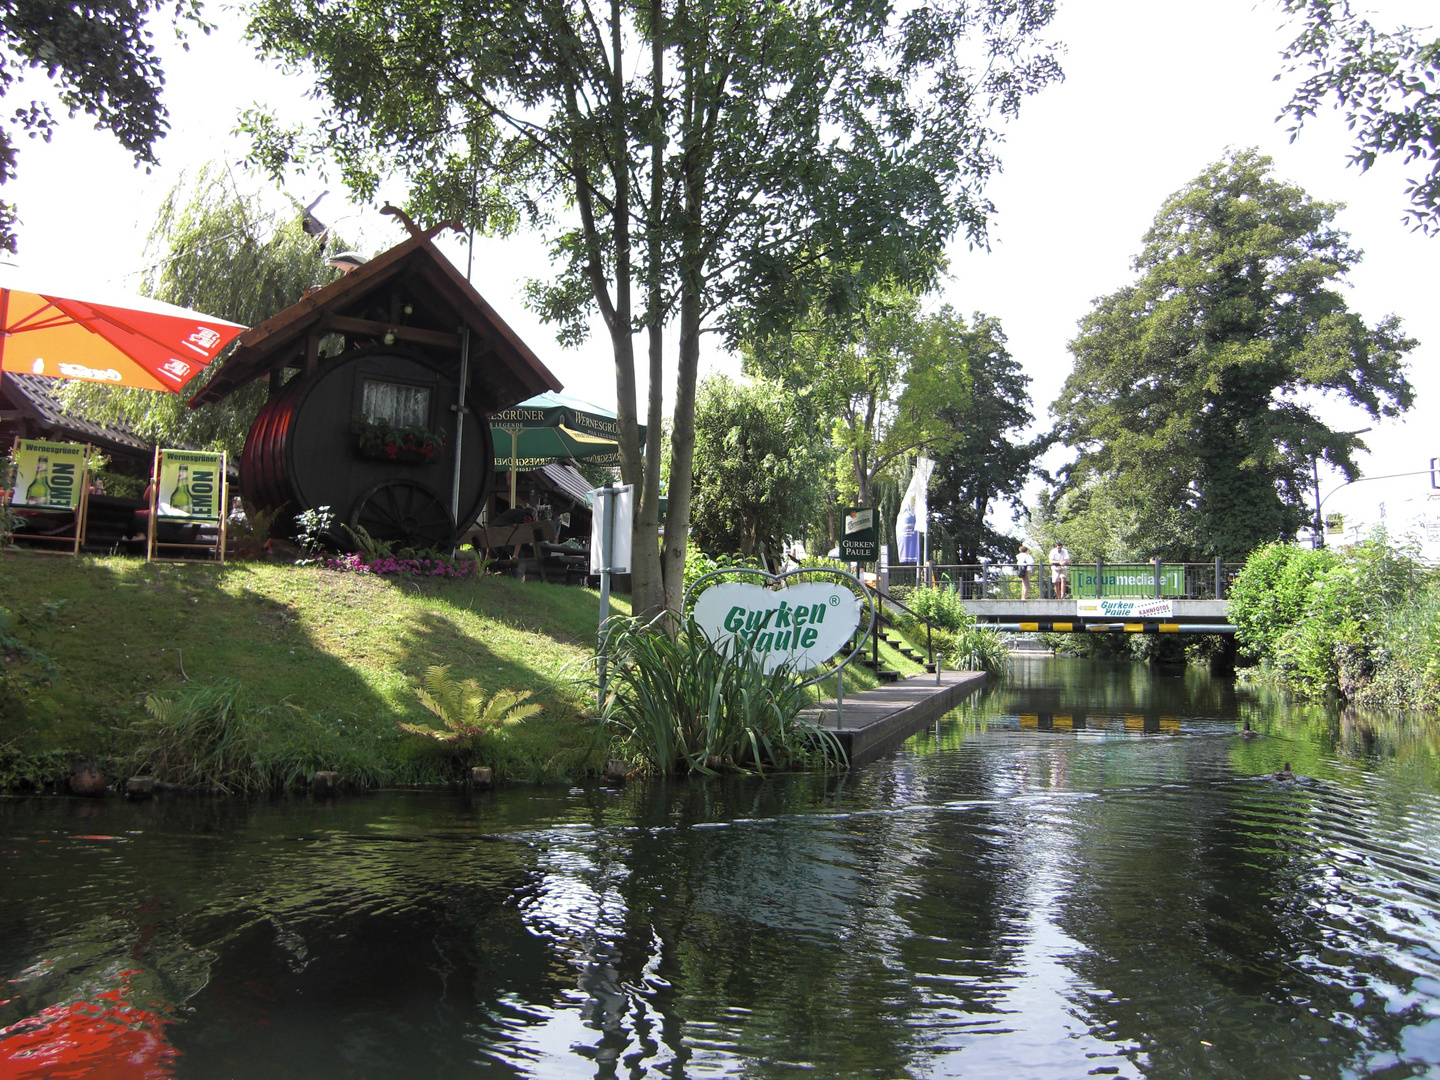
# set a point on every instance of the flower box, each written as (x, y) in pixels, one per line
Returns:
(377, 440)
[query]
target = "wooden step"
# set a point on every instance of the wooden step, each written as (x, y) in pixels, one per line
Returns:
(887, 676)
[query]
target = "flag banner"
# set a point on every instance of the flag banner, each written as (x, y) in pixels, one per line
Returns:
(189, 485)
(48, 475)
(914, 513)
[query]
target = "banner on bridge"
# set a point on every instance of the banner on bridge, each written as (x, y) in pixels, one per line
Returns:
(1119, 607)
(1137, 579)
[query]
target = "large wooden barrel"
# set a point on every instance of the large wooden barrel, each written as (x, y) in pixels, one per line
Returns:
(304, 452)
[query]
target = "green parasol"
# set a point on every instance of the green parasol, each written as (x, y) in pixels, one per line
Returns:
(554, 427)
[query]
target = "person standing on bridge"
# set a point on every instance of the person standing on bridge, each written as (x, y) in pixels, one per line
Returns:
(1060, 570)
(1024, 564)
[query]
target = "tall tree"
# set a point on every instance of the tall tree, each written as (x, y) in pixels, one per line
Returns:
(985, 459)
(1194, 388)
(698, 163)
(218, 250)
(886, 381)
(1386, 83)
(102, 61)
(757, 466)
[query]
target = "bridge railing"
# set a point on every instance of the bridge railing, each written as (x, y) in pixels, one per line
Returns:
(1002, 581)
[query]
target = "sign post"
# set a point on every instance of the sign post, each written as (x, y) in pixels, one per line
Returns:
(610, 538)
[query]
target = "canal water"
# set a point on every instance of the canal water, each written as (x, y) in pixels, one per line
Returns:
(1090, 871)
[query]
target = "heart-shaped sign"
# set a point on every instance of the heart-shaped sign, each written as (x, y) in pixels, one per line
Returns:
(805, 623)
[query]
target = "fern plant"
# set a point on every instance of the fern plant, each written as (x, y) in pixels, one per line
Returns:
(461, 705)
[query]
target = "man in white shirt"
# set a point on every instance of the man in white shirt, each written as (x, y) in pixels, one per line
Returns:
(1060, 570)
(1024, 566)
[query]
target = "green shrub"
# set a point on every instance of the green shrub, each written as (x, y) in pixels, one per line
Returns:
(1269, 595)
(682, 704)
(1349, 623)
(939, 606)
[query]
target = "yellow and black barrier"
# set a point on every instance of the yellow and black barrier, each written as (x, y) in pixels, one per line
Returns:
(1076, 626)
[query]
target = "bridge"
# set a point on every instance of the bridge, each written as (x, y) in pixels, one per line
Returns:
(1156, 597)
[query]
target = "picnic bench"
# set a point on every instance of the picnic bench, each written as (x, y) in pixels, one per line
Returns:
(545, 558)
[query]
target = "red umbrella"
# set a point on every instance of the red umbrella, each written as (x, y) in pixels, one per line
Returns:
(117, 339)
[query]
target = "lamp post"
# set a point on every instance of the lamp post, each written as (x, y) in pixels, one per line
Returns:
(1319, 541)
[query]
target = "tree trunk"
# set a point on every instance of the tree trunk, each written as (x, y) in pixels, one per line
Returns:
(648, 581)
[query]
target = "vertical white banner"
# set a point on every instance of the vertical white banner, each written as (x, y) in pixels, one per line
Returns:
(622, 501)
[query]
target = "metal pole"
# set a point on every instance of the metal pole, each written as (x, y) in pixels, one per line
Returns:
(1099, 578)
(607, 504)
(1219, 579)
(460, 411)
(1319, 541)
(1156, 561)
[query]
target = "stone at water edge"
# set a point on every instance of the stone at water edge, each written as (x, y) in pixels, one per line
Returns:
(140, 787)
(480, 777)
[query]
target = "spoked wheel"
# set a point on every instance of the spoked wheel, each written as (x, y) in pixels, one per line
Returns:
(406, 513)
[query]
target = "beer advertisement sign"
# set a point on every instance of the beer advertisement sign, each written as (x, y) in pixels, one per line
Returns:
(860, 540)
(190, 485)
(48, 475)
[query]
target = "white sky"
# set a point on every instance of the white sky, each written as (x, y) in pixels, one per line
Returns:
(1155, 90)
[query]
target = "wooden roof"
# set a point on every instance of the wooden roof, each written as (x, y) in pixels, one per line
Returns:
(370, 301)
(31, 398)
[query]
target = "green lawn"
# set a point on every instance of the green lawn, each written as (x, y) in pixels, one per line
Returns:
(345, 645)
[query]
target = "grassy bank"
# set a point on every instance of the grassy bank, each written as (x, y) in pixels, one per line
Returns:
(321, 657)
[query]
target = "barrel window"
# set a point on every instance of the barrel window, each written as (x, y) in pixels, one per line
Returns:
(398, 404)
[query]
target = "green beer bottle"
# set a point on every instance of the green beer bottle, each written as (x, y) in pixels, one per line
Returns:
(180, 497)
(38, 493)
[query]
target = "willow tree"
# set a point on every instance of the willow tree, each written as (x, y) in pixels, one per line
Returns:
(216, 249)
(697, 164)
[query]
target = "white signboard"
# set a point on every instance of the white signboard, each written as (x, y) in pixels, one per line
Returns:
(622, 499)
(1122, 607)
(804, 624)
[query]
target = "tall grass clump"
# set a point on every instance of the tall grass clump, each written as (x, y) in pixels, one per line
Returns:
(979, 648)
(215, 737)
(682, 703)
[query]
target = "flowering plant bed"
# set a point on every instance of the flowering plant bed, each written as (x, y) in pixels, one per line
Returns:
(382, 441)
(391, 564)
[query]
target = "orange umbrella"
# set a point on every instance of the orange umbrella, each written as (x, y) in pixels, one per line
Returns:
(117, 339)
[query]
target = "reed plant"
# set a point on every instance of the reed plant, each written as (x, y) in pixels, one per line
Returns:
(979, 648)
(683, 703)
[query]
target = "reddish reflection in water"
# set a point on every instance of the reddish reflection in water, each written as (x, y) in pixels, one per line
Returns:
(103, 1037)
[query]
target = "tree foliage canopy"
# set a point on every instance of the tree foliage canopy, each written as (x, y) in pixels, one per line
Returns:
(700, 163)
(218, 251)
(984, 457)
(757, 466)
(891, 382)
(1194, 388)
(1386, 83)
(100, 57)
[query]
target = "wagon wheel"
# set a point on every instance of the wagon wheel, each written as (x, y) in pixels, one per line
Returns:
(406, 513)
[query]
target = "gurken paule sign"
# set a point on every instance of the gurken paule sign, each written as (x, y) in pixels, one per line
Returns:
(803, 624)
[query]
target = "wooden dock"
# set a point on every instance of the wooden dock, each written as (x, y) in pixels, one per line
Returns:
(874, 722)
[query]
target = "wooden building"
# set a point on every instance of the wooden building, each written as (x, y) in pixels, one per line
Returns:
(381, 384)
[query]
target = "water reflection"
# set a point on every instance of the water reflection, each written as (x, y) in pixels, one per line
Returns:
(1129, 891)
